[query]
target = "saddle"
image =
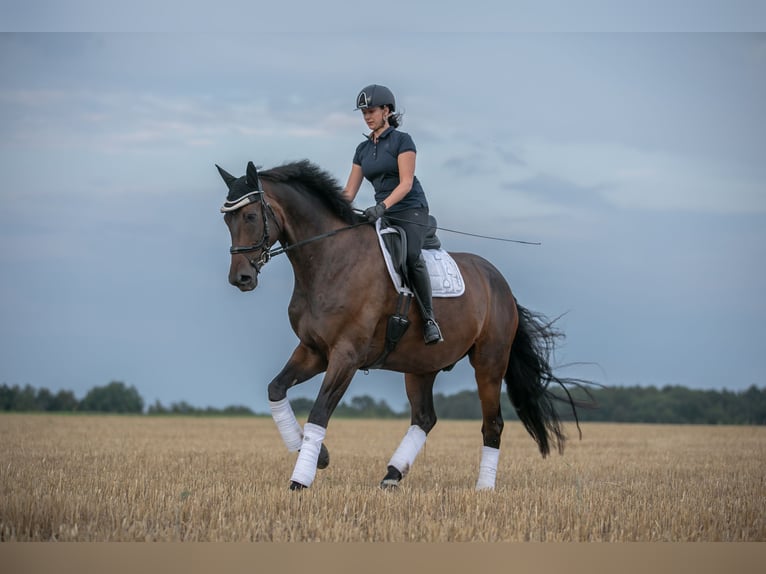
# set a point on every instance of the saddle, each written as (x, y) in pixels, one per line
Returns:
(446, 280)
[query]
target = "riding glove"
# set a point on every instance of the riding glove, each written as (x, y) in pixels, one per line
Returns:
(375, 212)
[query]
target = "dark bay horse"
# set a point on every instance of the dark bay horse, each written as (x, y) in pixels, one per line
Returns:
(341, 302)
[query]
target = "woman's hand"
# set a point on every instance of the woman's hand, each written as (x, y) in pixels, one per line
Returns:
(375, 212)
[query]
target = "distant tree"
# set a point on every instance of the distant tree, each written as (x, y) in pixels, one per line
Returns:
(113, 398)
(366, 407)
(64, 401)
(8, 397)
(157, 408)
(26, 400)
(301, 406)
(669, 404)
(43, 400)
(462, 405)
(182, 408)
(238, 410)
(754, 406)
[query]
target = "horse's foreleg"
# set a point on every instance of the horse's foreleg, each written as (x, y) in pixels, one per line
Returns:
(423, 418)
(303, 365)
(337, 378)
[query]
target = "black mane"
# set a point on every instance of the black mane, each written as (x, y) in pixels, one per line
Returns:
(317, 182)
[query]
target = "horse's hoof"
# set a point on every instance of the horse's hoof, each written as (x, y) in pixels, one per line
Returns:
(392, 479)
(324, 458)
(297, 485)
(389, 484)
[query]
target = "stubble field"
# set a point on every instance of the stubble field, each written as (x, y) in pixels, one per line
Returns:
(114, 478)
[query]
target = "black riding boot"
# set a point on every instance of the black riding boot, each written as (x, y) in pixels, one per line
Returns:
(421, 284)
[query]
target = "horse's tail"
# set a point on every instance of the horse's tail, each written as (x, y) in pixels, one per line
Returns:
(529, 375)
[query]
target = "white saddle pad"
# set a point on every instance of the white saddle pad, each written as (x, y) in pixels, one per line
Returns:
(446, 279)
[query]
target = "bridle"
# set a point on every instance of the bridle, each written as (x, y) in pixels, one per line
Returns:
(258, 196)
(263, 245)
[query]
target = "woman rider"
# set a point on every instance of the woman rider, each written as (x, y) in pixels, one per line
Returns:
(387, 159)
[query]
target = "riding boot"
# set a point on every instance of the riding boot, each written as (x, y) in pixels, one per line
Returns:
(421, 284)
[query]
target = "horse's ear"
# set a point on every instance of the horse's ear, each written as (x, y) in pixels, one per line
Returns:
(227, 177)
(252, 176)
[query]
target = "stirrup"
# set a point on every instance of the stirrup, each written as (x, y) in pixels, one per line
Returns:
(431, 333)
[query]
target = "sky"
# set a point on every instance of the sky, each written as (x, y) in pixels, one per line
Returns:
(632, 147)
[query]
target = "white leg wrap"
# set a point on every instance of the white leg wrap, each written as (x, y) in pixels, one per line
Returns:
(408, 449)
(306, 465)
(488, 468)
(288, 426)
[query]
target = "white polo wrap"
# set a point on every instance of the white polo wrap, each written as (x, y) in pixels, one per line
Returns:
(488, 468)
(306, 465)
(288, 426)
(408, 449)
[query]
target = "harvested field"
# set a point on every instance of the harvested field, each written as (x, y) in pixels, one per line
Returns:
(137, 478)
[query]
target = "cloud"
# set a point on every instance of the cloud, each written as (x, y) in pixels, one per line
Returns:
(655, 180)
(122, 121)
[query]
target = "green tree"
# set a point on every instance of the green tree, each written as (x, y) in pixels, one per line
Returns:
(157, 408)
(25, 399)
(64, 401)
(301, 406)
(113, 398)
(463, 405)
(182, 408)
(365, 407)
(8, 397)
(238, 410)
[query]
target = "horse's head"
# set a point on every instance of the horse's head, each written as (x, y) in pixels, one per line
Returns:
(247, 213)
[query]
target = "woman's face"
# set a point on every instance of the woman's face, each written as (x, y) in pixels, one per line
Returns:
(376, 117)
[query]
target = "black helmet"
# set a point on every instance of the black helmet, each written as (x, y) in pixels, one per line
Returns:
(375, 95)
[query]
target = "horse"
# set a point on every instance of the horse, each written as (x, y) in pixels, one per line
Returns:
(341, 301)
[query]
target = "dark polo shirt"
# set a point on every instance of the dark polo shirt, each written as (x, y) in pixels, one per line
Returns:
(379, 163)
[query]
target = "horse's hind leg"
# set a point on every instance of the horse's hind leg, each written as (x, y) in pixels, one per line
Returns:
(423, 418)
(489, 379)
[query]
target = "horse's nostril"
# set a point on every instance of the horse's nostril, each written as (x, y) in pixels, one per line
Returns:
(245, 279)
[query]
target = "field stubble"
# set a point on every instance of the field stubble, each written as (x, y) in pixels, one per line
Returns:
(113, 478)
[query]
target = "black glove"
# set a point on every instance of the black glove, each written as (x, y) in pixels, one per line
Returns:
(375, 212)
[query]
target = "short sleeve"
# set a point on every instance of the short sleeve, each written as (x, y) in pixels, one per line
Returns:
(358, 154)
(405, 143)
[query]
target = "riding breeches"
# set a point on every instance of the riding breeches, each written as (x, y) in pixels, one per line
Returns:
(415, 223)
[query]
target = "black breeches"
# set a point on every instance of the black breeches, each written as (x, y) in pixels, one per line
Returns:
(415, 223)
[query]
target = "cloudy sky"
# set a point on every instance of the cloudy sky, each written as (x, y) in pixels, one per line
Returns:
(636, 158)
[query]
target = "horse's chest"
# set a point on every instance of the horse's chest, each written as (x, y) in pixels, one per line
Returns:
(315, 316)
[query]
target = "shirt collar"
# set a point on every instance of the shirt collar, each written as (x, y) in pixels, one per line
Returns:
(385, 133)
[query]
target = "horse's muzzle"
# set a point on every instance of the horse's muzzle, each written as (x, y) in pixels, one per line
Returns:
(245, 278)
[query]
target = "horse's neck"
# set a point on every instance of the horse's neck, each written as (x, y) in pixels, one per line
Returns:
(317, 256)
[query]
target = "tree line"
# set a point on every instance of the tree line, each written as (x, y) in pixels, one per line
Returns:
(637, 404)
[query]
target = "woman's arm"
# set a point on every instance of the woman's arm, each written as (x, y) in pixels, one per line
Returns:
(406, 163)
(354, 182)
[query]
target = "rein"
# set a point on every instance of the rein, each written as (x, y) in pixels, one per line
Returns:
(266, 253)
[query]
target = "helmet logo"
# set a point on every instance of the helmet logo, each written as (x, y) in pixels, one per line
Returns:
(362, 100)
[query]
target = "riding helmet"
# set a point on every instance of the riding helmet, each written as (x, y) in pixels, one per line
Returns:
(375, 95)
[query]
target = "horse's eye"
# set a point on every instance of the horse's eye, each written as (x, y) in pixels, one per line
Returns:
(251, 217)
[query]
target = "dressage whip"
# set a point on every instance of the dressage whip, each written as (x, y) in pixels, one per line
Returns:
(392, 218)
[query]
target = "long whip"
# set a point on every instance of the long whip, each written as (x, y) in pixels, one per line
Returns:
(392, 218)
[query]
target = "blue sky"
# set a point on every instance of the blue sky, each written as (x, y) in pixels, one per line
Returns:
(638, 159)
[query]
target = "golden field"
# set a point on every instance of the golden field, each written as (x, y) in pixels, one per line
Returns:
(138, 478)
